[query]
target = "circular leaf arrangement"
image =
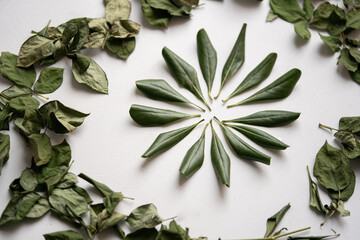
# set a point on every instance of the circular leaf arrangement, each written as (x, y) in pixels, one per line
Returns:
(186, 76)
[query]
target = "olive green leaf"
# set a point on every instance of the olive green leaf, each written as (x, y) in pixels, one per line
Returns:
(32, 122)
(351, 124)
(279, 89)
(269, 118)
(352, 153)
(155, 17)
(315, 200)
(4, 149)
(107, 221)
(145, 216)
(94, 77)
(194, 157)
(235, 59)
(75, 34)
(15, 91)
(289, 10)
(82, 62)
(60, 155)
(159, 89)
(95, 40)
(220, 158)
(348, 61)
(340, 208)
(28, 180)
(308, 9)
(167, 140)
(355, 53)
(260, 137)
(69, 180)
(332, 168)
(167, 234)
(183, 73)
(337, 21)
(353, 18)
(332, 42)
(346, 138)
(20, 104)
(34, 49)
(302, 30)
(117, 10)
(352, 41)
(149, 116)
(61, 199)
(63, 235)
(312, 237)
(142, 234)
(347, 192)
(242, 149)
(273, 221)
(83, 193)
(322, 15)
(121, 47)
(40, 208)
(60, 118)
(41, 148)
(173, 8)
(49, 80)
(256, 76)
(20, 76)
(5, 118)
(124, 29)
(102, 188)
(17, 208)
(174, 226)
(207, 58)
(271, 16)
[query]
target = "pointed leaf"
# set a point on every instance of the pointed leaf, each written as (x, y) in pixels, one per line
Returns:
(351, 124)
(301, 29)
(4, 149)
(124, 29)
(288, 10)
(121, 47)
(167, 140)
(62, 199)
(308, 9)
(40, 208)
(207, 58)
(271, 16)
(41, 148)
(353, 18)
(155, 17)
(183, 73)
(20, 104)
(242, 149)
(220, 159)
(149, 116)
(355, 53)
(235, 59)
(349, 62)
(63, 235)
(260, 137)
(279, 89)
(332, 42)
(145, 216)
(347, 192)
(174, 8)
(28, 180)
(194, 157)
(20, 76)
(269, 118)
(315, 200)
(34, 49)
(49, 80)
(256, 76)
(102, 188)
(273, 222)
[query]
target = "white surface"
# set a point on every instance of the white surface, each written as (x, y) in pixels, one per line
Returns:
(109, 144)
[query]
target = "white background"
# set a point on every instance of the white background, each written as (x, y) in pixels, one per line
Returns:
(109, 144)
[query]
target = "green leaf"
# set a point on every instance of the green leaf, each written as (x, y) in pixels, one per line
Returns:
(142, 234)
(260, 137)
(20, 104)
(352, 42)
(49, 80)
(269, 118)
(173, 8)
(352, 152)
(149, 116)
(32, 121)
(5, 118)
(60, 118)
(111, 221)
(302, 30)
(69, 180)
(340, 208)
(273, 222)
(61, 199)
(242, 149)
(63, 235)
(351, 124)
(194, 157)
(183, 73)
(271, 16)
(94, 77)
(124, 29)
(167, 140)
(279, 89)
(355, 53)
(173, 226)
(220, 158)
(20, 76)
(83, 193)
(75, 34)
(167, 234)
(235, 59)
(39, 209)
(60, 155)
(322, 15)
(347, 192)
(337, 21)
(19, 205)
(13, 92)
(256, 76)
(207, 58)
(145, 216)
(349, 62)
(308, 9)
(346, 138)
(28, 180)
(121, 47)
(117, 10)
(288, 10)
(155, 17)
(332, 42)
(95, 40)
(4, 149)
(160, 90)
(332, 168)
(315, 200)
(102, 188)
(312, 237)
(353, 18)
(34, 49)
(41, 148)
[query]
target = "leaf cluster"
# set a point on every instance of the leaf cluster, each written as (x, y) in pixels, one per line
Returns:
(339, 22)
(160, 12)
(186, 76)
(332, 168)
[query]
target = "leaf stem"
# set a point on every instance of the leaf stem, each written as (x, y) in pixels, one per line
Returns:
(327, 127)
(198, 107)
(38, 94)
(129, 198)
(234, 105)
(277, 236)
(209, 93)
(328, 217)
(221, 87)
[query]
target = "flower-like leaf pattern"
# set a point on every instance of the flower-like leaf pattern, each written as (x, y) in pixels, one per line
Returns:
(186, 76)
